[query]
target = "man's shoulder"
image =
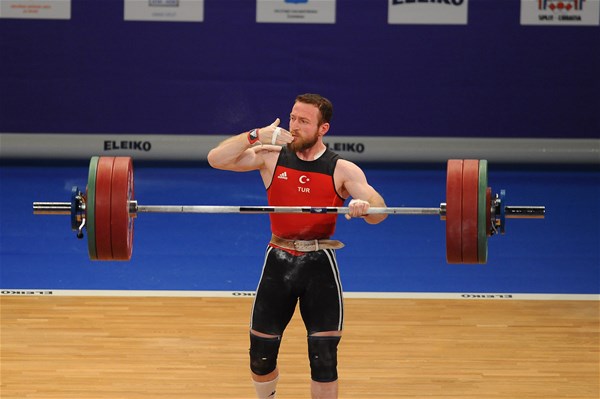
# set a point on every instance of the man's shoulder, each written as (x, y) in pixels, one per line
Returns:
(344, 164)
(347, 170)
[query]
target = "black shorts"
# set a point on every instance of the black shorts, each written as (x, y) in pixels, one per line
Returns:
(311, 278)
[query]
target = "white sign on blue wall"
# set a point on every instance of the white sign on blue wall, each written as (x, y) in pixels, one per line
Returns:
(433, 12)
(560, 12)
(35, 9)
(296, 11)
(164, 10)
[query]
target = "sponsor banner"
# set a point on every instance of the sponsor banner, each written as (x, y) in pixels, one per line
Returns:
(354, 148)
(296, 11)
(35, 9)
(84, 146)
(164, 10)
(435, 12)
(560, 12)
(252, 294)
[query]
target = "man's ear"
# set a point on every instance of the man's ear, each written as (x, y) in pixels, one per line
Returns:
(323, 129)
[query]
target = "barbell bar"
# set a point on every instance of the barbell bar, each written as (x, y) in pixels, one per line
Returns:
(107, 209)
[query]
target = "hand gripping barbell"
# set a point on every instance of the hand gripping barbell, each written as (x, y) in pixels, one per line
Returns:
(107, 210)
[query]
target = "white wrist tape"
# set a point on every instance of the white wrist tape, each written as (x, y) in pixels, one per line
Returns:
(275, 134)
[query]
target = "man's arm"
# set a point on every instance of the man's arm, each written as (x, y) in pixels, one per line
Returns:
(238, 154)
(364, 196)
(235, 154)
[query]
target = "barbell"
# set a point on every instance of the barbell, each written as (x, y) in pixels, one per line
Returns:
(107, 209)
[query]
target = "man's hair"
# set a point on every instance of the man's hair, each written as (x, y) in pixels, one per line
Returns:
(324, 105)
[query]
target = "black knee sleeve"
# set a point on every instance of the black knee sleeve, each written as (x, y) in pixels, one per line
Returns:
(322, 353)
(263, 354)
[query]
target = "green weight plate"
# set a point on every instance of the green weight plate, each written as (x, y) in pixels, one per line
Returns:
(482, 212)
(90, 208)
(488, 216)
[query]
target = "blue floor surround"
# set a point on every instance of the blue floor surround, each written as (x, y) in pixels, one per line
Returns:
(557, 255)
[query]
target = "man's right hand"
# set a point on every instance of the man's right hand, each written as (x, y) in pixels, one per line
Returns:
(273, 134)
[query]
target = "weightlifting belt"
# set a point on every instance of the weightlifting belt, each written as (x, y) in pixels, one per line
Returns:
(305, 245)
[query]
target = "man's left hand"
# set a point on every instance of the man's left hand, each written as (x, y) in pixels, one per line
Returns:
(357, 208)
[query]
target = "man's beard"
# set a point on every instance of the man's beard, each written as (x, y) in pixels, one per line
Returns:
(299, 145)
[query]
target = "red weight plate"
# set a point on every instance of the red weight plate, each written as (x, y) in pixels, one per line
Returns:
(454, 187)
(121, 221)
(470, 206)
(103, 207)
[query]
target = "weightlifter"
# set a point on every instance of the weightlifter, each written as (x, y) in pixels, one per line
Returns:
(297, 169)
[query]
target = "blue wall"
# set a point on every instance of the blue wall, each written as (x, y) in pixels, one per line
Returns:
(97, 73)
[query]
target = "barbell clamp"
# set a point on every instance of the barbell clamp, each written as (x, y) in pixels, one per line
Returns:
(133, 208)
(443, 211)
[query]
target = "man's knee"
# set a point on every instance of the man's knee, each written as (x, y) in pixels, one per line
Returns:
(263, 354)
(322, 353)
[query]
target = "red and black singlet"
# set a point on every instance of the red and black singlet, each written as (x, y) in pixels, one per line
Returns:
(304, 183)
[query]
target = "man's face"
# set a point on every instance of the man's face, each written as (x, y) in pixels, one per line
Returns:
(304, 126)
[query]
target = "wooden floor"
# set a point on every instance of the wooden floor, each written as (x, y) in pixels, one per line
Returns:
(92, 347)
